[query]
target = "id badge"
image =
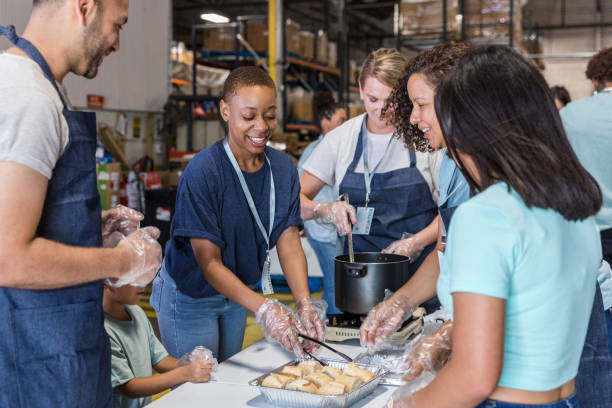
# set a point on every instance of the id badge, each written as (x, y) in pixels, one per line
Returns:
(266, 282)
(364, 221)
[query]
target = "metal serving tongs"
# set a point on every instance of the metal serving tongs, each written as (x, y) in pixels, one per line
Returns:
(345, 197)
(341, 354)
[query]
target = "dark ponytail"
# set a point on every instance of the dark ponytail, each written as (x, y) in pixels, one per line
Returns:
(324, 106)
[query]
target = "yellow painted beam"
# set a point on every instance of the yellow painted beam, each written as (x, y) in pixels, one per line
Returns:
(272, 38)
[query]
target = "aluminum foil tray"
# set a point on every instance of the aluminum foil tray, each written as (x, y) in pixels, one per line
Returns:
(299, 399)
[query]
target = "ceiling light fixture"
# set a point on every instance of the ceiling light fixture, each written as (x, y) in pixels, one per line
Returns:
(214, 18)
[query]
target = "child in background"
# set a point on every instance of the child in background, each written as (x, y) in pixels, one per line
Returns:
(135, 351)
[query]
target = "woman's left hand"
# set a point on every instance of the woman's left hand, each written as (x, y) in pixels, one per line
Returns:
(311, 313)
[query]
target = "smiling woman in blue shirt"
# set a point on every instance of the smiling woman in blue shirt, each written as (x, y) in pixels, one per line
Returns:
(519, 272)
(236, 201)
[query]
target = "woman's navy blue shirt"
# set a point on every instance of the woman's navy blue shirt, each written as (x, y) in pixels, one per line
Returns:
(210, 204)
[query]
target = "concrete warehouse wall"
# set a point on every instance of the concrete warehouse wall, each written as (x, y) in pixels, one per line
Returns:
(133, 79)
(569, 72)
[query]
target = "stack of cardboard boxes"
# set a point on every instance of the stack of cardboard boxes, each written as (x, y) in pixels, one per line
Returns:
(483, 18)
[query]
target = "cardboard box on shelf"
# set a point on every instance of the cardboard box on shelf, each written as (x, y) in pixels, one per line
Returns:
(257, 36)
(220, 39)
(300, 104)
(422, 17)
(152, 180)
(332, 54)
(322, 46)
(353, 71)
(292, 36)
(307, 44)
(355, 109)
(170, 178)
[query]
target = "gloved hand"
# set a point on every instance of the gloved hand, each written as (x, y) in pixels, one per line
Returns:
(430, 354)
(337, 213)
(401, 398)
(280, 324)
(385, 318)
(410, 245)
(311, 313)
(119, 219)
(199, 353)
(145, 257)
(198, 371)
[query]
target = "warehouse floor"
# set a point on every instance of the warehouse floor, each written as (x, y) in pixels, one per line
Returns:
(252, 332)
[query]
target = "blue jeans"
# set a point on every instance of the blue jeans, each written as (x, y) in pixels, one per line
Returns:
(571, 402)
(215, 322)
(326, 252)
(609, 323)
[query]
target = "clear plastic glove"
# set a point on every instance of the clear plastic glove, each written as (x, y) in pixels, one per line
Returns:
(430, 355)
(198, 365)
(337, 213)
(409, 246)
(385, 318)
(145, 257)
(401, 398)
(280, 324)
(311, 313)
(199, 353)
(119, 219)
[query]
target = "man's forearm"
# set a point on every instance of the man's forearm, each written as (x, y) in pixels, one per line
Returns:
(43, 264)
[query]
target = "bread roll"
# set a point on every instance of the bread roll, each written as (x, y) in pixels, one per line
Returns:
(309, 367)
(349, 382)
(318, 378)
(292, 370)
(333, 372)
(355, 371)
(301, 385)
(276, 380)
(331, 388)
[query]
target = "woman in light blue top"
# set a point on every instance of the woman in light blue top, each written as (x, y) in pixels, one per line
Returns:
(322, 238)
(519, 273)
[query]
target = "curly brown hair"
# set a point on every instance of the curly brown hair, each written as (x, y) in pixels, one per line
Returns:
(433, 64)
(599, 67)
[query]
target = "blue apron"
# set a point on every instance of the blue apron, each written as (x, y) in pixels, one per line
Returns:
(401, 199)
(594, 379)
(54, 351)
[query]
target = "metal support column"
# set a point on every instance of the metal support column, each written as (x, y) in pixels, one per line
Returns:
(275, 55)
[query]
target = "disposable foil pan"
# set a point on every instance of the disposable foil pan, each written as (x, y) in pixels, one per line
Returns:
(299, 399)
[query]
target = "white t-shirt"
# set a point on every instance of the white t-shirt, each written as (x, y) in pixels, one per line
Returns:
(33, 130)
(334, 154)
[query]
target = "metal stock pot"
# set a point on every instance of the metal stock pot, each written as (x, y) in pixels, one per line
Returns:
(360, 285)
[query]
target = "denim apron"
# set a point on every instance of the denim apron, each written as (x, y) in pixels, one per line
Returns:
(54, 349)
(401, 199)
(594, 379)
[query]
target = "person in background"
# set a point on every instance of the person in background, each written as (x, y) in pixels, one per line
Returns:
(588, 123)
(561, 95)
(135, 351)
(414, 116)
(391, 189)
(236, 201)
(324, 238)
(54, 351)
(521, 253)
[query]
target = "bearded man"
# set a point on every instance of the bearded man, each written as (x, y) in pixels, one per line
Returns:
(54, 351)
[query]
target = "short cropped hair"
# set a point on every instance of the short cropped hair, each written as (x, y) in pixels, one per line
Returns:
(599, 67)
(561, 94)
(245, 77)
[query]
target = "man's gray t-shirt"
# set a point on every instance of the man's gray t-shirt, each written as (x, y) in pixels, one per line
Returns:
(33, 130)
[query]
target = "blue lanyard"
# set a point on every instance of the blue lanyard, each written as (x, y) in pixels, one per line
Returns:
(249, 197)
(366, 170)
